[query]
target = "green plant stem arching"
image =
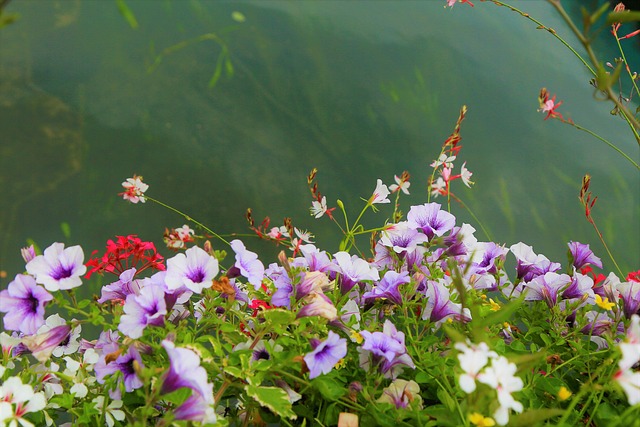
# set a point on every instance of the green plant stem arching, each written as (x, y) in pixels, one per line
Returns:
(188, 218)
(595, 63)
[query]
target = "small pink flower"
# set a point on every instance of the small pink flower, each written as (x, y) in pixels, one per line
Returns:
(134, 190)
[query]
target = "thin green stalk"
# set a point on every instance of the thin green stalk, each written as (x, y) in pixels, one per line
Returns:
(550, 30)
(475, 218)
(610, 144)
(607, 248)
(611, 95)
(626, 64)
(188, 218)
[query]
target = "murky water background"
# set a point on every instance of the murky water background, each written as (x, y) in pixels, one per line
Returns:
(360, 90)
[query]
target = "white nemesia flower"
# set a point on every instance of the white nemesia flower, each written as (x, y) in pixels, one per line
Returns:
(472, 359)
(443, 160)
(318, 208)
(112, 412)
(500, 376)
(12, 391)
(403, 186)
(380, 194)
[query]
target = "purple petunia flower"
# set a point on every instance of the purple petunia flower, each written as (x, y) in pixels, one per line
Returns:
(147, 308)
(122, 288)
(248, 263)
(388, 287)
(58, 268)
(194, 269)
(325, 355)
(580, 255)
(125, 364)
(630, 294)
(439, 305)
(580, 285)
(314, 260)
(386, 350)
(185, 371)
(44, 343)
(402, 238)
(284, 288)
(529, 264)
(353, 270)
(430, 219)
(546, 288)
(23, 302)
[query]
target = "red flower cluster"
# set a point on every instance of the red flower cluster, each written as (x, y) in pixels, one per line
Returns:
(125, 253)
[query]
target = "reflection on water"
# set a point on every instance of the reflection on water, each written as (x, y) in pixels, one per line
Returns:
(360, 91)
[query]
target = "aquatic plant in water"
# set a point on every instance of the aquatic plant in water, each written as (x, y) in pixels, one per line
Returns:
(414, 322)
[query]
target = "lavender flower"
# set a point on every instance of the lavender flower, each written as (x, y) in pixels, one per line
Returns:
(546, 288)
(386, 350)
(439, 305)
(23, 302)
(194, 269)
(58, 268)
(185, 371)
(630, 294)
(325, 355)
(353, 270)
(580, 255)
(248, 263)
(430, 219)
(147, 308)
(388, 287)
(119, 290)
(531, 265)
(402, 238)
(126, 365)
(314, 260)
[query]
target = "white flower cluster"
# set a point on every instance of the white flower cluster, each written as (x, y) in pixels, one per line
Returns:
(626, 377)
(486, 366)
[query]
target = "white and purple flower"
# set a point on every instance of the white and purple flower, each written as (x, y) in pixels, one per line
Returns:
(23, 302)
(430, 219)
(248, 264)
(325, 354)
(194, 269)
(58, 268)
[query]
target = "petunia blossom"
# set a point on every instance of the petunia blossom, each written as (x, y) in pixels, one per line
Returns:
(118, 291)
(248, 263)
(580, 256)
(58, 268)
(126, 364)
(23, 302)
(387, 288)
(185, 371)
(147, 308)
(547, 288)
(194, 269)
(325, 355)
(401, 394)
(430, 219)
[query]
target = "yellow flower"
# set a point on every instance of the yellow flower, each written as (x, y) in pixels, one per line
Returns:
(356, 337)
(494, 305)
(481, 421)
(604, 303)
(564, 393)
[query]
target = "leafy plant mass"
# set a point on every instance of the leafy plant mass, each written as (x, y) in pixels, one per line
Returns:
(415, 322)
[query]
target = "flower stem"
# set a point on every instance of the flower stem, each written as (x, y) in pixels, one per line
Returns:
(188, 218)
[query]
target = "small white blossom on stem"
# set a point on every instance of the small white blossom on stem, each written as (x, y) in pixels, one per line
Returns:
(501, 376)
(472, 359)
(134, 189)
(400, 185)
(13, 392)
(465, 175)
(319, 208)
(443, 160)
(112, 412)
(380, 194)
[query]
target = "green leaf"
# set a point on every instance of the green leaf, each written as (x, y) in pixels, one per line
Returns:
(328, 387)
(66, 230)
(505, 312)
(178, 396)
(127, 14)
(622, 17)
(534, 416)
(278, 317)
(446, 399)
(234, 371)
(274, 398)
